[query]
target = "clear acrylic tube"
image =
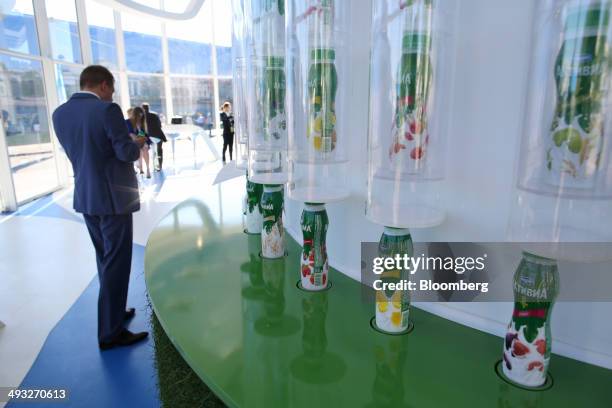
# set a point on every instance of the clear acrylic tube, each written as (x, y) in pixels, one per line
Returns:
(239, 69)
(267, 89)
(318, 65)
(564, 165)
(411, 85)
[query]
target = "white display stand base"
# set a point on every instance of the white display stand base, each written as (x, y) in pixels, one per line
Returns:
(192, 132)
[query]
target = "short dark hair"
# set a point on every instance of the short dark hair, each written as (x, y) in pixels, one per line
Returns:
(95, 75)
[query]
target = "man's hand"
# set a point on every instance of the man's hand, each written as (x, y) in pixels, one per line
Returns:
(140, 141)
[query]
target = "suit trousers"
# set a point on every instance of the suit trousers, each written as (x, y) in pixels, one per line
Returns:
(112, 239)
(228, 141)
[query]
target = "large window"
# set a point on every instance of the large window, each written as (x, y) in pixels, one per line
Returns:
(226, 91)
(67, 81)
(223, 35)
(24, 118)
(18, 28)
(193, 99)
(181, 68)
(64, 30)
(143, 44)
(148, 89)
(190, 43)
(101, 21)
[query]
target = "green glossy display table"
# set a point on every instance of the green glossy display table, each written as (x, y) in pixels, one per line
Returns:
(258, 341)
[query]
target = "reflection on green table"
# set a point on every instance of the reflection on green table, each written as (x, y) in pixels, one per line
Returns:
(258, 341)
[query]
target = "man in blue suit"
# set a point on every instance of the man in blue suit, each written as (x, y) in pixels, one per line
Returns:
(92, 131)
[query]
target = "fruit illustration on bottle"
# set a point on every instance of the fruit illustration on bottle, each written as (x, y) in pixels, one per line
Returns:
(272, 233)
(270, 80)
(271, 95)
(582, 76)
(322, 78)
(527, 348)
(314, 263)
(410, 134)
(253, 215)
(322, 88)
(393, 307)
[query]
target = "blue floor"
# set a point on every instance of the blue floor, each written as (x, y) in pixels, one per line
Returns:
(70, 358)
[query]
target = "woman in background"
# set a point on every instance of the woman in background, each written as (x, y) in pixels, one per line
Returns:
(136, 126)
(227, 120)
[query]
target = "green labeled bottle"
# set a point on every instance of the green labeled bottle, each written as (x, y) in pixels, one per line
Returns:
(322, 89)
(272, 91)
(527, 344)
(582, 76)
(410, 138)
(252, 211)
(393, 307)
(314, 263)
(272, 233)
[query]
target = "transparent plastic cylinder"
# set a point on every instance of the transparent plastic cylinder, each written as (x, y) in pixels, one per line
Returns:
(239, 69)
(318, 68)
(266, 90)
(564, 175)
(411, 85)
(241, 113)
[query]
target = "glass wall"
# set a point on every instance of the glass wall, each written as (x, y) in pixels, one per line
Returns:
(101, 22)
(24, 118)
(179, 68)
(148, 89)
(18, 29)
(64, 30)
(225, 91)
(66, 80)
(143, 44)
(194, 100)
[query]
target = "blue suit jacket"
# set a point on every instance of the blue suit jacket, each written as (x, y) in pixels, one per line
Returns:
(96, 140)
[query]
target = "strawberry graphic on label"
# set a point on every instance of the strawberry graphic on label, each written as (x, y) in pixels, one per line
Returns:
(324, 279)
(541, 346)
(417, 153)
(305, 270)
(519, 349)
(416, 127)
(408, 136)
(535, 364)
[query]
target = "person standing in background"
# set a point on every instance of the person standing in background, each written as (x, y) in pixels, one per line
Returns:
(92, 131)
(136, 126)
(227, 121)
(153, 127)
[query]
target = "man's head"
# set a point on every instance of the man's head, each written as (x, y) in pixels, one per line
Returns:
(227, 107)
(99, 80)
(145, 107)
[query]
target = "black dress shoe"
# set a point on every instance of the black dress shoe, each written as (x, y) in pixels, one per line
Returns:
(125, 338)
(129, 313)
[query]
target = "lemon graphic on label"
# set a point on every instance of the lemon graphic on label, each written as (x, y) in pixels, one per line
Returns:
(396, 318)
(382, 306)
(318, 124)
(317, 142)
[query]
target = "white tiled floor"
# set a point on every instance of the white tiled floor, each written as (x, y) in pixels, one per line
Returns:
(46, 263)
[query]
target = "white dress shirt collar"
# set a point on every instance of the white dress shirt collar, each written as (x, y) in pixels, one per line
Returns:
(89, 92)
